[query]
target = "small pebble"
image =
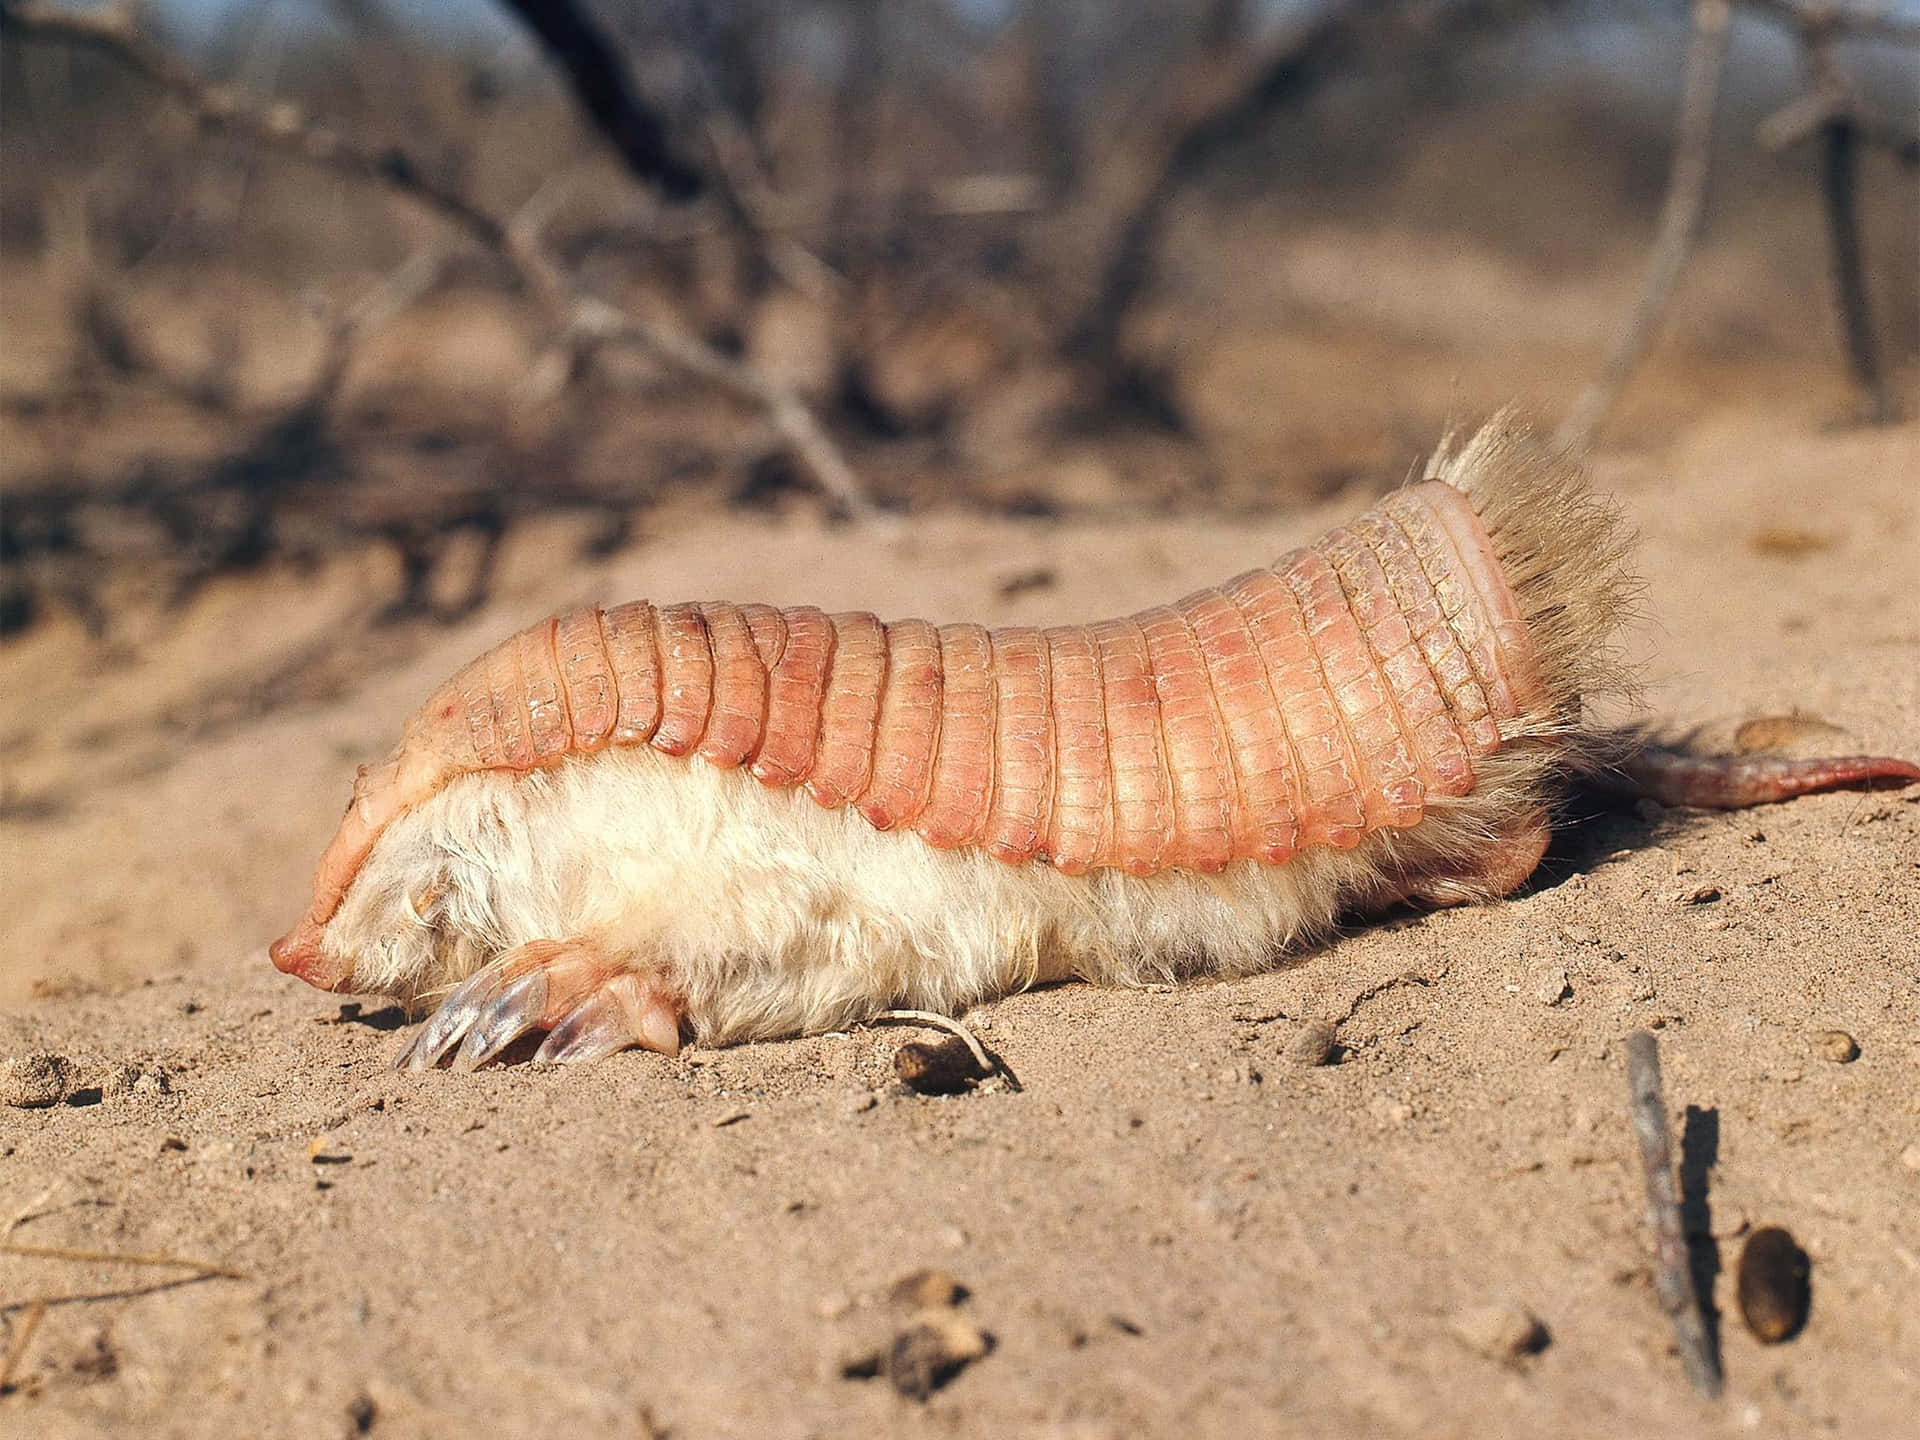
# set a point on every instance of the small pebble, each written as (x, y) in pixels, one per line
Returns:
(1506, 1333)
(1835, 1045)
(943, 1067)
(328, 1150)
(833, 1306)
(1777, 732)
(1910, 1157)
(1551, 985)
(926, 1289)
(930, 1351)
(118, 1079)
(1701, 895)
(35, 1081)
(1774, 1286)
(1313, 1044)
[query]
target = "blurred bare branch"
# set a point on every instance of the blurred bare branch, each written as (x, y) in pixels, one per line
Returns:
(1802, 117)
(1839, 160)
(598, 76)
(1867, 22)
(279, 126)
(1340, 40)
(1303, 62)
(1679, 227)
(1832, 110)
(357, 323)
(282, 127)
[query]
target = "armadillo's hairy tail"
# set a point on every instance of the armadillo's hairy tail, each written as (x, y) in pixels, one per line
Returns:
(1564, 551)
(1566, 554)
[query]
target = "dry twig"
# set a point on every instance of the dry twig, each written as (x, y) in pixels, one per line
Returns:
(598, 78)
(1338, 40)
(940, 1022)
(1679, 225)
(1673, 1274)
(1866, 22)
(109, 1257)
(1833, 111)
(1839, 157)
(35, 1306)
(1310, 57)
(1839, 154)
(282, 127)
(23, 1337)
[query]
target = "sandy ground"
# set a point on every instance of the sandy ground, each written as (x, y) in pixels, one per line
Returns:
(1171, 1230)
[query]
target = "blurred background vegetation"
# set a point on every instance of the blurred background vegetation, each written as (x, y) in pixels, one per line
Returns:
(282, 278)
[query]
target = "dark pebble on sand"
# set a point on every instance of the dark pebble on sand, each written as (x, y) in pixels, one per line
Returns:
(944, 1067)
(1774, 1285)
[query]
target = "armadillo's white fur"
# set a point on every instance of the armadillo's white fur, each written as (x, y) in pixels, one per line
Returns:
(772, 916)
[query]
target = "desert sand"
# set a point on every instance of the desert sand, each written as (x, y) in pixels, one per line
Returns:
(1170, 1229)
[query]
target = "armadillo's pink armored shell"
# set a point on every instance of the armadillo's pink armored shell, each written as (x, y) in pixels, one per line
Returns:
(1304, 704)
(1330, 695)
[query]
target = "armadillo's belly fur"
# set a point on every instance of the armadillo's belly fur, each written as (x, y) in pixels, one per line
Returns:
(775, 916)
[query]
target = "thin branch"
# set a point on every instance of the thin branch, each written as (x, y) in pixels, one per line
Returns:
(1311, 56)
(750, 204)
(125, 1292)
(371, 313)
(592, 65)
(1839, 154)
(1673, 1274)
(279, 126)
(1857, 21)
(1337, 41)
(1839, 158)
(1805, 115)
(1679, 227)
(595, 322)
(1832, 110)
(22, 1338)
(109, 1257)
(283, 128)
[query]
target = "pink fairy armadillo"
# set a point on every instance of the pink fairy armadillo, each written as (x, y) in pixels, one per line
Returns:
(621, 826)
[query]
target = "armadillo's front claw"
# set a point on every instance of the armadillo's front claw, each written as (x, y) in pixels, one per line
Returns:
(631, 1009)
(595, 1029)
(448, 1025)
(591, 1003)
(509, 1015)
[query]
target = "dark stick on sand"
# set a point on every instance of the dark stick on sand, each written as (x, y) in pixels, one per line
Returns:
(1672, 1277)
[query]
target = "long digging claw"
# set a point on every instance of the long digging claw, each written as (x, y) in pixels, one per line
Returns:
(603, 1005)
(446, 1026)
(508, 1016)
(593, 1030)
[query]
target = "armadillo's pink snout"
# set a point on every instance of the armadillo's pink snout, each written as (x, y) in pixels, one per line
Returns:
(378, 796)
(298, 953)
